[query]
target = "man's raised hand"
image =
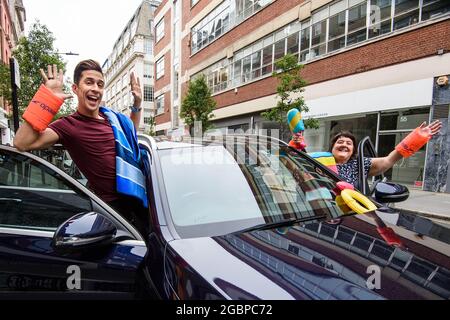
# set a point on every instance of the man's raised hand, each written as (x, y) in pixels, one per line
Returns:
(54, 81)
(136, 90)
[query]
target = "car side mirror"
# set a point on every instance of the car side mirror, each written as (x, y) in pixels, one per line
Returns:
(84, 231)
(388, 192)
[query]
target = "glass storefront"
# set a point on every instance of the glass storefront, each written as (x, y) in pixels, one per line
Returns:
(394, 126)
(361, 126)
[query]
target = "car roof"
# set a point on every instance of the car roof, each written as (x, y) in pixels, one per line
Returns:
(174, 142)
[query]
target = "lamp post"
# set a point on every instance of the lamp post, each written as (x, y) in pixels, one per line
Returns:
(70, 53)
(15, 83)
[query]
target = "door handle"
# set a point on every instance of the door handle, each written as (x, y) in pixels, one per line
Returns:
(10, 200)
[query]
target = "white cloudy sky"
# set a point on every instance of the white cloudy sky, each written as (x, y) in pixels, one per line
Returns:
(87, 27)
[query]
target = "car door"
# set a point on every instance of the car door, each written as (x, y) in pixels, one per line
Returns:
(35, 199)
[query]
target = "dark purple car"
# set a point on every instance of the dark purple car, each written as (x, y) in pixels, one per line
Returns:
(236, 217)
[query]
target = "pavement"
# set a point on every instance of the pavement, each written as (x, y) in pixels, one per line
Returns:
(428, 204)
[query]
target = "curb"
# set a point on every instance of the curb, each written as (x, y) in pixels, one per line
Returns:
(426, 214)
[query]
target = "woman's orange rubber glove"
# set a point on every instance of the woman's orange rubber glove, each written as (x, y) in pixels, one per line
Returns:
(414, 142)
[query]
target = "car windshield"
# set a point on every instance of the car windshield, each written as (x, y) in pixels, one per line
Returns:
(222, 188)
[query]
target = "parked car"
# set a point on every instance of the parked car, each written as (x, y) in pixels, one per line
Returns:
(243, 217)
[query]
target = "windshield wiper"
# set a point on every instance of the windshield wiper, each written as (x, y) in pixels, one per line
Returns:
(279, 224)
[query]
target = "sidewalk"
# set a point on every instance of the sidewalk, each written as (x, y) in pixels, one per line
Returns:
(427, 204)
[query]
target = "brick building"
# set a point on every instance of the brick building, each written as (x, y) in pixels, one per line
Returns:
(12, 18)
(371, 66)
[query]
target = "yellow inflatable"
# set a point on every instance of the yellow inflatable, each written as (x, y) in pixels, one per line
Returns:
(353, 199)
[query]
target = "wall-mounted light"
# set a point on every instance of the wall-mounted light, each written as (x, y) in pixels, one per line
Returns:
(442, 81)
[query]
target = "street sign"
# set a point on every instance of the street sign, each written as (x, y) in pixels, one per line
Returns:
(16, 73)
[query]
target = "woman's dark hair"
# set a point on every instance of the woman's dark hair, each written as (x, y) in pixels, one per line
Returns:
(85, 65)
(345, 134)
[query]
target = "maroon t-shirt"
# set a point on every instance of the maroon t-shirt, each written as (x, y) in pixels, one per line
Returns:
(91, 144)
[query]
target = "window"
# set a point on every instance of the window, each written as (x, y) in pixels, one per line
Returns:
(246, 67)
(225, 16)
(380, 18)
(159, 30)
(148, 70)
(433, 8)
(304, 42)
(267, 60)
(280, 47)
(293, 44)
(237, 72)
(148, 46)
(211, 27)
(217, 77)
(318, 37)
(148, 93)
(160, 105)
(336, 32)
(406, 13)
(160, 68)
(34, 196)
(194, 2)
(357, 24)
(265, 191)
(245, 8)
(332, 28)
(256, 65)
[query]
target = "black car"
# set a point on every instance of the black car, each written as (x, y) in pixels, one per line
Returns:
(235, 217)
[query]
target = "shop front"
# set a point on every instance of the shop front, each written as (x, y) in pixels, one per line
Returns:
(386, 114)
(386, 129)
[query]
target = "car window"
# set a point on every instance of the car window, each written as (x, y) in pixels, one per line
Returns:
(214, 190)
(32, 196)
(61, 158)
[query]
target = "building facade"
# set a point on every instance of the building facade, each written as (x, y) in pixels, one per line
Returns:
(133, 53)
(371, 66)
(12, 19)
(18, 17)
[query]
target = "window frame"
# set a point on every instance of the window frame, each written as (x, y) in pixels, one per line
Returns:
(159, 30)
(159, 69)
(148, 96)
(159, 104)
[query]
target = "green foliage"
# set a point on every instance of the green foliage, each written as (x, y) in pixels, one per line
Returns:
(198, 104)
(5, 82)
(151, 130)
(35, 52)
(289, 91)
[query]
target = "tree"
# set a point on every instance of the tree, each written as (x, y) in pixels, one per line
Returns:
(35, 52)
(151, 123)
(290, 88)
(198, 104)
(5, 82)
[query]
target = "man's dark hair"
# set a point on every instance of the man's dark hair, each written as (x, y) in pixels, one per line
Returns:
(84, 66)
(345, 134)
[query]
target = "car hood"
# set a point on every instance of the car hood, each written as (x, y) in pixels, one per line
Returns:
(361, 258)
